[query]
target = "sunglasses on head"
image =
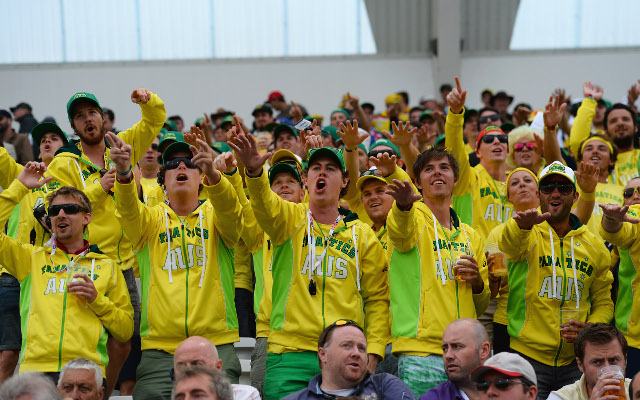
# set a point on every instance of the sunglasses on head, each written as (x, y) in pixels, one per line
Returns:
(340, 322)
(374, 153)
(488, 139)
(521, 146)
(175, 163)
(628, 193)
(369, 172)
(565, 189)
(487, 118)
(68, 209)
(499, 383)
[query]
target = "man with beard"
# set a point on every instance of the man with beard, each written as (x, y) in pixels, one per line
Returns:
(465, 347)
(558, 267)
(620, 123)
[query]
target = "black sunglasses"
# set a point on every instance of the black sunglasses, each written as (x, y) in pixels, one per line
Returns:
(68, 209)
(489, 138)
(628, 193)
(369, 172)
(565, 189)
(487, 118)
(499, 383)
(175, 163)
(374, 153)
(154, 146)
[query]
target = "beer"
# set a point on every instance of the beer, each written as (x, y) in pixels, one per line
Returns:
(498, 266)
(621, 393)
(456, 258)
(617, 373)
(568, 314)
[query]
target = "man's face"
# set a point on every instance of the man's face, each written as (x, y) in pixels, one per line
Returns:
(460, 353)
(80, 384)
(394, 109)
(598, 356)
(525, 154)
(195, 387)
(599, 117)
(324, 180)
(362, 159)
(486, 98)
(522, 188)
(414, 117)
(377, 203)
(344, 357)
(492, 119)
(5, 123)
(496, 151)
(65, 226)
(278, 104)
(287, 187)
(513, 392)
(150, 158)
(337, 118)
(635, 387)
(437, 179)
(108, 123)
(597, 153)
(327, 141)
(430, 105)
(620, 127)
(182, 180)
(368, 112)
(501, 104)
(635, 197)
(471, 129)
(556, 203)
(287, 140)
(192, 356)
(49, 144)
(219, 135)
(20, 112)
(261, 119)
(88, 122)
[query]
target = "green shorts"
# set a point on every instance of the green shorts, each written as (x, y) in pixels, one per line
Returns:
(289, 372)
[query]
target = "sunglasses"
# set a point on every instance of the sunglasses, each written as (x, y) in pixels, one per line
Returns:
(369, 172)
(68, 209)
(565, 189)
(521, 146)
(175, 163)
(374, 153)
(499, 383)
(154, 146)
(340, 322)
(487, 118)
(628, 193)
(488, 139)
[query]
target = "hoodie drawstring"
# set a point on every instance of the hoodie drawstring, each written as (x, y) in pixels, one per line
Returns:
(311, 246)
(435, 228)
(575, 275)
(93, 266)
(169, 256)
(355, 246)
(84, 185)
(554, 284)
(204, 248)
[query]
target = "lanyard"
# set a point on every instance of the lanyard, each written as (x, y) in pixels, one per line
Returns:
(313, 264)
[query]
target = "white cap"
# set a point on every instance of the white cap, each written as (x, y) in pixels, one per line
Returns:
(557, 168)
(509, 364)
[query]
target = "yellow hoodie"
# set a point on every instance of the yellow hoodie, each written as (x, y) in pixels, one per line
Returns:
(189, 290)
(425, 298)
(351, 281)
(546, 273)
(57, 326)
(71, 167)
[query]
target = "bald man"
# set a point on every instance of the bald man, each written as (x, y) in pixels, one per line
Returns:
(465, 347)
(634, 388)
(197, 350)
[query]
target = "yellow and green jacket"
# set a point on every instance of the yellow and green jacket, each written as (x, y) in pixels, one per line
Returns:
(627, 315)
(626, 166)
(419, 284)
(57, 326)
(187, 283)
(546, 273)
(478, 199)
(606, 193)
(351, 280)
(71, 167)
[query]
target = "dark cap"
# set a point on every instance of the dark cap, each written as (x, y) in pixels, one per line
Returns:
(263, 107)
(283, 128)
(501, 95)
(43, 128)
(5, 114)
(175, 147)
(20, 105)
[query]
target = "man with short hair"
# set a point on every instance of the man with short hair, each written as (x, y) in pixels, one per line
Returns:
(342, 353)
(278, 103)
(286, 137)
(197, 350)
(506, 376)
(501, 101)
(178, 121)
(262, 116)
(556, 267)
(597, 346)
(81, 379)
(201, 383)
(21, 143)
(109, 121)
(465, 347)
(29, 386)
(22, 114)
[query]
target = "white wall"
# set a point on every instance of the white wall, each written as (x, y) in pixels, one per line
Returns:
(190, 88)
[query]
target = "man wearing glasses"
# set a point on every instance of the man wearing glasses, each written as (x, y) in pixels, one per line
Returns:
(561, 270)
(71, 291)
(506, 376)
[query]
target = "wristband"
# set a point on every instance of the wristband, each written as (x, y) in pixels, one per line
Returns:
(550, 129)
(124, 180)
(124, 173)
(590, 96)
(348, 151)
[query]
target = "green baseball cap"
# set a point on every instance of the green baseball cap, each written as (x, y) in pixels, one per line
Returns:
(329, 152)
(340, 110)
(221, 147)
(284, 166)
(363, 147)
(43, 128)
(168, 138)
(171, 124)
(439, 139)
(81, 96)
(385, 142)
(283, 128)
(331, 131)
(175, 147)
(425, 114)
(227, 119)
(197, 122)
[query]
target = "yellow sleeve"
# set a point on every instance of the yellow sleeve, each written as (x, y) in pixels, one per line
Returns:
(227, 211)
(454, 142)
(402, 176)
(242, 262)
(600, 291)
(277, 217)
(402, 227)
(9, 167)
(13, 255)
(581, 128)
(375, 292)
(65, 172)
(514, 241)
(141, 135)
(114, 309)
(627, 234)
(252, 234)
(135, 217)
(481, 300)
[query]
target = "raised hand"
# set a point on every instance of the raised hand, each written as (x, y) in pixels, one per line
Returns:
(312, 142)
(521, 115)
(553, 112)
(295, 112)
(140, 96)
(225, 162)
(592, 90)
(203, 156)
(618, 213)
(120, 153)
(31, 175)
(314, 131)
(425, 137)
(456, 98)
(528, 218)
(354, 101)
(350, 135)
(385, 165)
(401, 135)
(246, 150)
(587, 177)
(632, 94)
(403, 194)
(193, 135)
(562, 94)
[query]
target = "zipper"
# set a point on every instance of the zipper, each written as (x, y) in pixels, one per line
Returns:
(186, 265)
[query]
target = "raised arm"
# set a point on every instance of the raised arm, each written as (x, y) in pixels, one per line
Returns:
(582, 123)
(351, 139)
(401, 136)
(9, 168)
(454, 139)
(620, 224)
(552, 115)
(587, 178)
(358, 112)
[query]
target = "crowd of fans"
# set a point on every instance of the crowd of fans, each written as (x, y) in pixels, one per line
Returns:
(372, 255)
